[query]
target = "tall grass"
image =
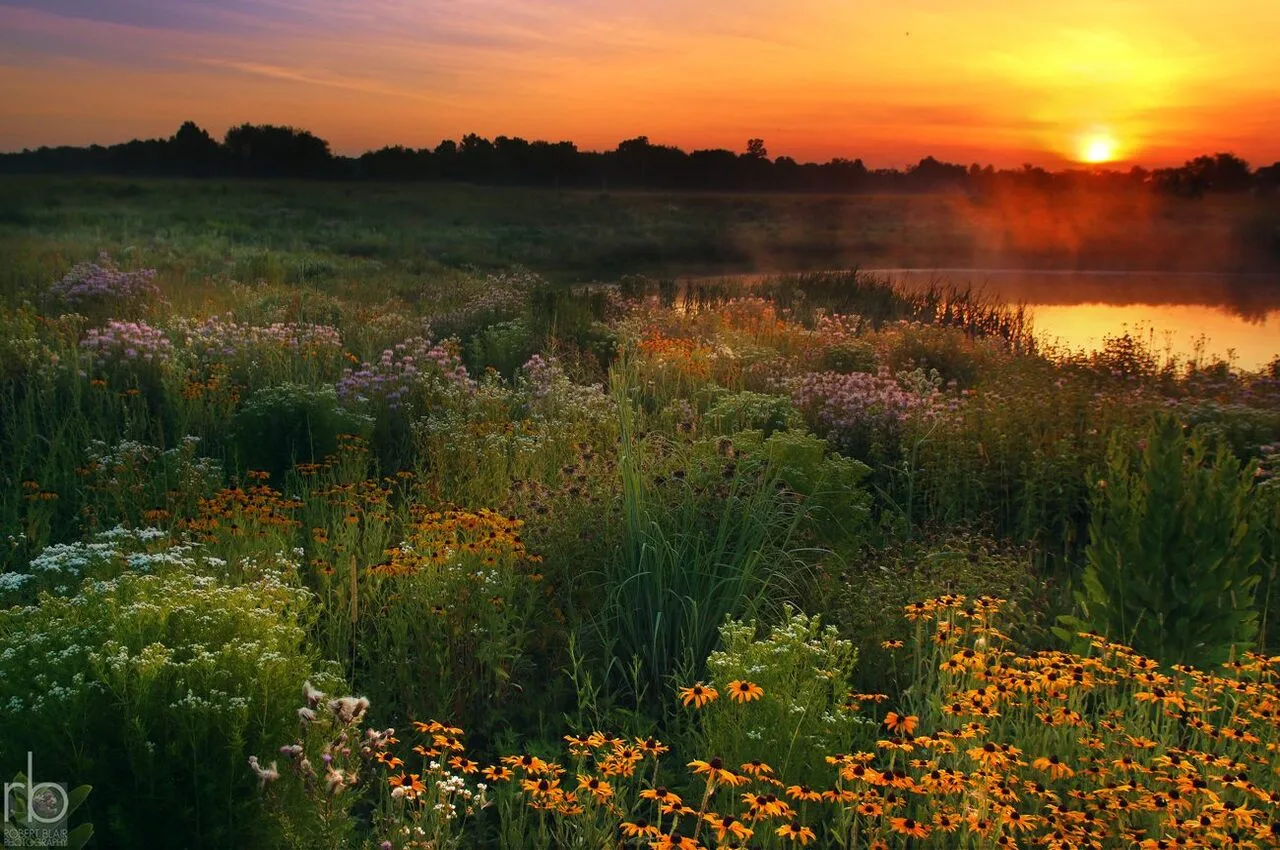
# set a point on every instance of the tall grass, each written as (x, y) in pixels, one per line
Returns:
(686, 566)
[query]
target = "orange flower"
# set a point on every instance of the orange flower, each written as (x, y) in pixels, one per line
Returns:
(596, 786)
(745, 691)
(895, 722)
(728, 826)
(640, 828)
(698, 695)
(907, 826)
(796, 832)
(716, 771)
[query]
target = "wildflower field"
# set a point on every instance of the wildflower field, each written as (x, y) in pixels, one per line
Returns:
(486, 561)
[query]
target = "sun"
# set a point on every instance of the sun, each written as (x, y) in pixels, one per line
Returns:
(1098, 148)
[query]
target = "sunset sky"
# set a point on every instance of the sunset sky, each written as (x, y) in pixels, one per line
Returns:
(1003, 81)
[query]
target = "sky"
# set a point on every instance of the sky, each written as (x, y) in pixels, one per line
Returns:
(992, 81)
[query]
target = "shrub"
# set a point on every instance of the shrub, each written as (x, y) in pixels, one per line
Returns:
(291, 423)
(443, 625)
(153, 689)
(804, 670)
(748, 411)
(1172, 557)
(503, 346)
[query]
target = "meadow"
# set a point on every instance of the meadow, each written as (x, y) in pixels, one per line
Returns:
(339, 516)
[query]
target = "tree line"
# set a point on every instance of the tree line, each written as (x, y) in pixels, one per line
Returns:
(268, 151)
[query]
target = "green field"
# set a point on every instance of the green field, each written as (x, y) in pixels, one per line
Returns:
(390, 236)
(815, 561)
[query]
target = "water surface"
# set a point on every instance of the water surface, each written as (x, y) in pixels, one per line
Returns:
(1182, 314)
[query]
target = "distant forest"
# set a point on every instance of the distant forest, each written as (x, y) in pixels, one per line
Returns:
(264, 151)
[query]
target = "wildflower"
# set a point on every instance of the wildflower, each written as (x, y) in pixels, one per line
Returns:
(540, 787)
(745, 691)
(676, 841)
(596, 786)
(898, 723)
(795, 831)
(639, 828)
(497, 773)
(264, 774)
(1053, 766)
(698, 695)
(660, 795)
(528, 763)
(908, 827)
(757, 768)
(715, 771)
(804, 794)
(348, 710)
(728, 826)
(333, 781)
(652, 746)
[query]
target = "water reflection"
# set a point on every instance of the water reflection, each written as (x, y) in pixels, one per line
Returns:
(1180, 314)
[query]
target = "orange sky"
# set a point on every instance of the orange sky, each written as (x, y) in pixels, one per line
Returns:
(1003, 81)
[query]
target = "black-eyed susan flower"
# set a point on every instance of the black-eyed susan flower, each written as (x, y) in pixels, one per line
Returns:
(804, 794)
(728, 827)
(743, 691)
(698, 695)
(639, 828)
(795, 831)
(908, 827)
(903, 724)
(595, 786)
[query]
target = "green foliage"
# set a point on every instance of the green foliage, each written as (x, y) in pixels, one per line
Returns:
(290, 423)
(805, 671)
(837, 505)
(504, 346)
(748, 411)
(1172, 560)
(848, 356)
(151, 688)
(693, 556)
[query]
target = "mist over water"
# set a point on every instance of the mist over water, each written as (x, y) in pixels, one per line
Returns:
(1188, 315)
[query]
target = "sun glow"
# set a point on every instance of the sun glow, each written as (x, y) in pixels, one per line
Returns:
(1098, 148)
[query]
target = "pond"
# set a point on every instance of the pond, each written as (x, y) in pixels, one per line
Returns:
(1183, 314)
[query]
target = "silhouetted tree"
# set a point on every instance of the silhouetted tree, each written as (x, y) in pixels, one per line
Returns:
(270, 151)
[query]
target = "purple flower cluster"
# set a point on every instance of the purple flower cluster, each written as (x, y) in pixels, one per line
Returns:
(399, 370)
(851, 405)
(102, 282)
(542, 374)
(222, 337)
(127, 342)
